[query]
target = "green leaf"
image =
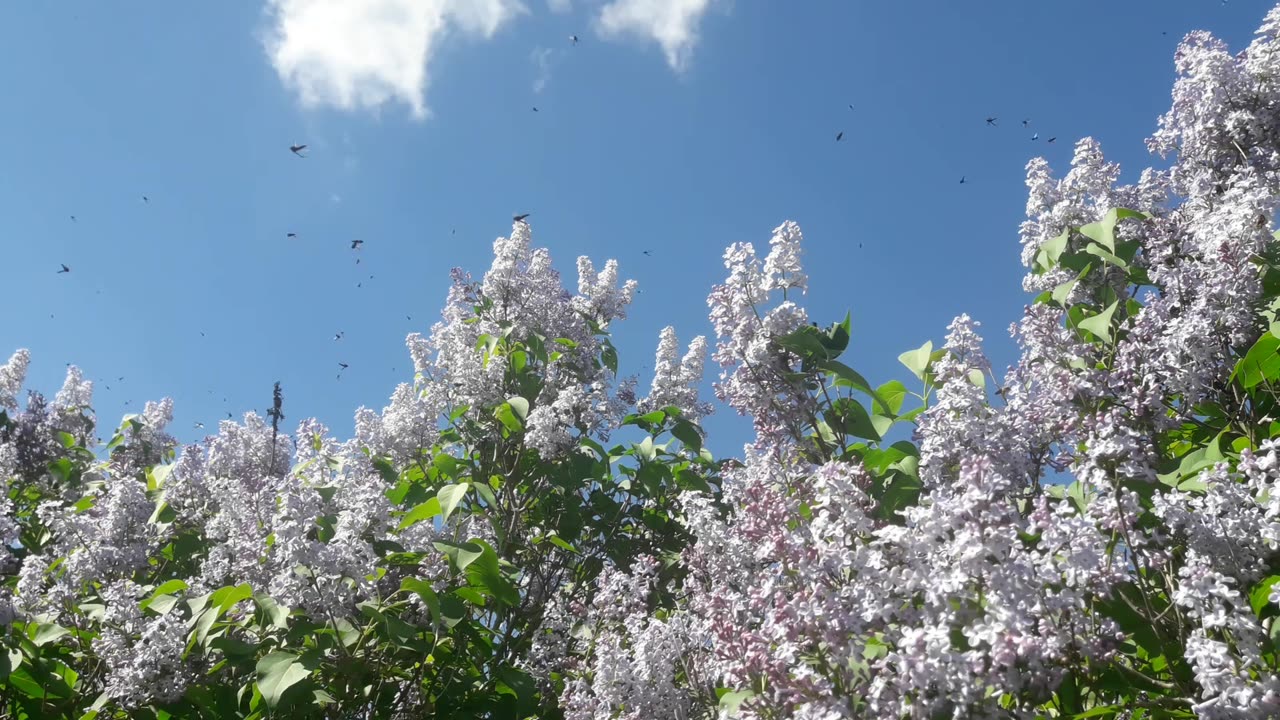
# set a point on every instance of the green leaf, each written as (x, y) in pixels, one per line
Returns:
(1100, 324)
(657, 417)
(1069, 694)
(423, 589)
(1063, 291)
(462, 554)
(420, 512)
(276, 614)
(881, 424)
(687, 433)
(645, 449)
(203, 623)
(517, 683)
(98, 703)
(848, 377)
(851, 418)
(1099, 712)
(169, 588)
(1260, 596)
(560, 542)
(1052, 250)
(224, 598)
(609, 356)
(234, 647)
(519, 405)
(157, 475)
(277, 672)
(507, 416)
(891, 396)
(1103, 232)
(1261, 363)
(1106, 255)
(731, 701)
(807, 343)
(449, 496)
(918, 360)
(161, 604)
(44, 633)
(485, 574)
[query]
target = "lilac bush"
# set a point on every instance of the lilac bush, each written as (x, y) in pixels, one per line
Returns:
(951, 577)
(413, 570)
(1092, 533)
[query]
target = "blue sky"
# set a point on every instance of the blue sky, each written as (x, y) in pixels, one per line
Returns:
(675, 126)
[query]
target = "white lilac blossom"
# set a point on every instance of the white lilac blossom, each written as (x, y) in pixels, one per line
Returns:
(12, 374)
(522, 296)
(76, 392)
(599, 296)
(143, 656)
(676, 379)
(800, 569)
(754, 371)
(634, 654)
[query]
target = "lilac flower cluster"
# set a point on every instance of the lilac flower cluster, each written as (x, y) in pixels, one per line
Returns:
(984, 597)
(299, 517)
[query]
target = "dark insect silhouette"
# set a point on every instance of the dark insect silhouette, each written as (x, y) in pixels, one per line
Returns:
(1026, 122)
(297, 150)
(343, 365)
(291, 235)
(1035, 136)
(573, 39)
(199, 426)
(520, 218)
(535, 109)
(839, 135)
(1051, 139)
(64, 269)
(850, 107)
(338, 336)
(145, 199)
(992, 121)
(961, 179)
(355, 244)
(73, 218)
(646, 252)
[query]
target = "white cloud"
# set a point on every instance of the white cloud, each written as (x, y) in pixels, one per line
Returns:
(362, 54)
(541, 58)
(560, 6)
(673, 24)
